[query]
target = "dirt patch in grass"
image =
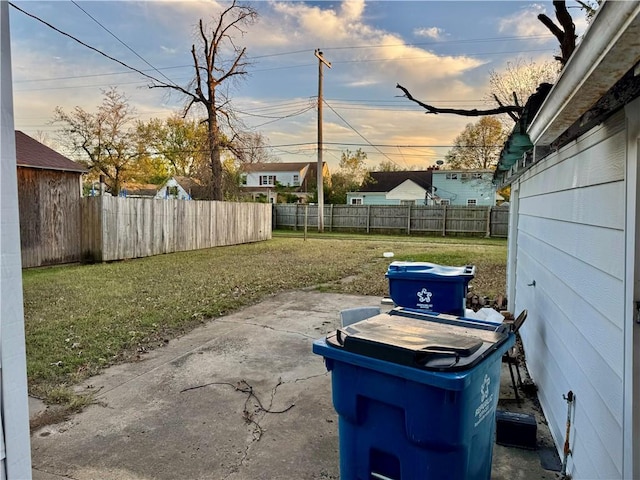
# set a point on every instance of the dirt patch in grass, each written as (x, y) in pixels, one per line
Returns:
(81, 319)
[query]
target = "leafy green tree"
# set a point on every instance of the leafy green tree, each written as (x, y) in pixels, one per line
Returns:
(180, 142)
(354, 164)
(478, 145)
(351, 175)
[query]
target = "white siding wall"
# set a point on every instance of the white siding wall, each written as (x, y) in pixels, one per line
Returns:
(284, 178)
(571, 241)
(408, 190)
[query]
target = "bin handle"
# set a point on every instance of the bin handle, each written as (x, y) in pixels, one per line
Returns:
(339, 337)
(380, 476)
(425, 355)
(470, 270)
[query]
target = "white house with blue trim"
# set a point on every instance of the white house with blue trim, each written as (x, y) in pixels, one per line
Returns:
(574, 247)
(393, 188)
(177, 188)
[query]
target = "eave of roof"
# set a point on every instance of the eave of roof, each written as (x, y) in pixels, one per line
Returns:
(609, 49)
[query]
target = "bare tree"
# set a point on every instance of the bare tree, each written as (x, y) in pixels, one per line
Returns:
(214, 68)
(517, 82)
(565, 33)
(252, 147)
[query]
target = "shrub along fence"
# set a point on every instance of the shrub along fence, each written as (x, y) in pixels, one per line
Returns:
(427, 220)
(115, 228)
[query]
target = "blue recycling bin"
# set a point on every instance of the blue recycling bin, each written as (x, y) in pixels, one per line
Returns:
(429, 286)
(415, 399)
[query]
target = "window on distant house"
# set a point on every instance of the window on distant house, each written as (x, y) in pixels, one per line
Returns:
(464, 176)
(296, 179)
(356, 201)
(267, 180)
(471, 202)
(476, 175)
(451, 176)
(445, 201)
(243, 179)
(172, 191)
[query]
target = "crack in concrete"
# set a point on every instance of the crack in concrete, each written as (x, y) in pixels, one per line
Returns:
(309, 377)
(269, 327)
(51, 473)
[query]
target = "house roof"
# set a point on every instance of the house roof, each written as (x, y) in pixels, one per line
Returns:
(187, 182)
(33, 154)
(607, 51)
(277, 166)
(387, 181)
(140, 189)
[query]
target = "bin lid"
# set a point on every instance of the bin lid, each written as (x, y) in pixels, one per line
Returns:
(417, 343)
(429, 270)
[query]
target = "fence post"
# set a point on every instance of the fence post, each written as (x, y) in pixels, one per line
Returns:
(444, 220)
(274, 217)
(330, 217)
(409, 220)
(368, 218)
(488, 222)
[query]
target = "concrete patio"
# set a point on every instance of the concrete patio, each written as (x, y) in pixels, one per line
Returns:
(242, 397)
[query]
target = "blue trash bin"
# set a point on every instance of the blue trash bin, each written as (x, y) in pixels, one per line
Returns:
(430, 287)
(415, 399)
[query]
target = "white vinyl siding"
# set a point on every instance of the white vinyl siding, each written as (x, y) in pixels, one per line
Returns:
(570, 241)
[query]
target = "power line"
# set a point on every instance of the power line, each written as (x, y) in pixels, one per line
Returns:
(359, 134)
(119, 40)
(84, 44)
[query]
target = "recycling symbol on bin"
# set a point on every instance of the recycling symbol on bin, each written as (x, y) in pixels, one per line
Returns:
(424, 295)
(484, 388)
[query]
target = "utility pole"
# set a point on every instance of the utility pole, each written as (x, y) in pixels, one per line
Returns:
(321, 61)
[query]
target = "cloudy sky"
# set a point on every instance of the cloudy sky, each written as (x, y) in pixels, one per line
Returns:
(441, 51)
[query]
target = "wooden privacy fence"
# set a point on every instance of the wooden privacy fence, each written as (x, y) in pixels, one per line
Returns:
(115, 228)
(428, 220)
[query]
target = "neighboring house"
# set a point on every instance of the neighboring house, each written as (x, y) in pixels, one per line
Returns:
(261, 179)
(49, 191)
(574, 247)
(393, 188)
(464, 188)
(179, 188)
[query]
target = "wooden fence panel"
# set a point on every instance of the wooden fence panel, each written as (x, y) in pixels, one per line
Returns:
(50, 217)
(427, 220)
(439, 220)
(471, 220)
(500, 222)
(120, 228)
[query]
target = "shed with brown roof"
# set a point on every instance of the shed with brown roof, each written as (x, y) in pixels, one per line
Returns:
(49, 191)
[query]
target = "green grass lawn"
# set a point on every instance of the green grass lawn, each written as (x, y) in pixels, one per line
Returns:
(82, 318)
